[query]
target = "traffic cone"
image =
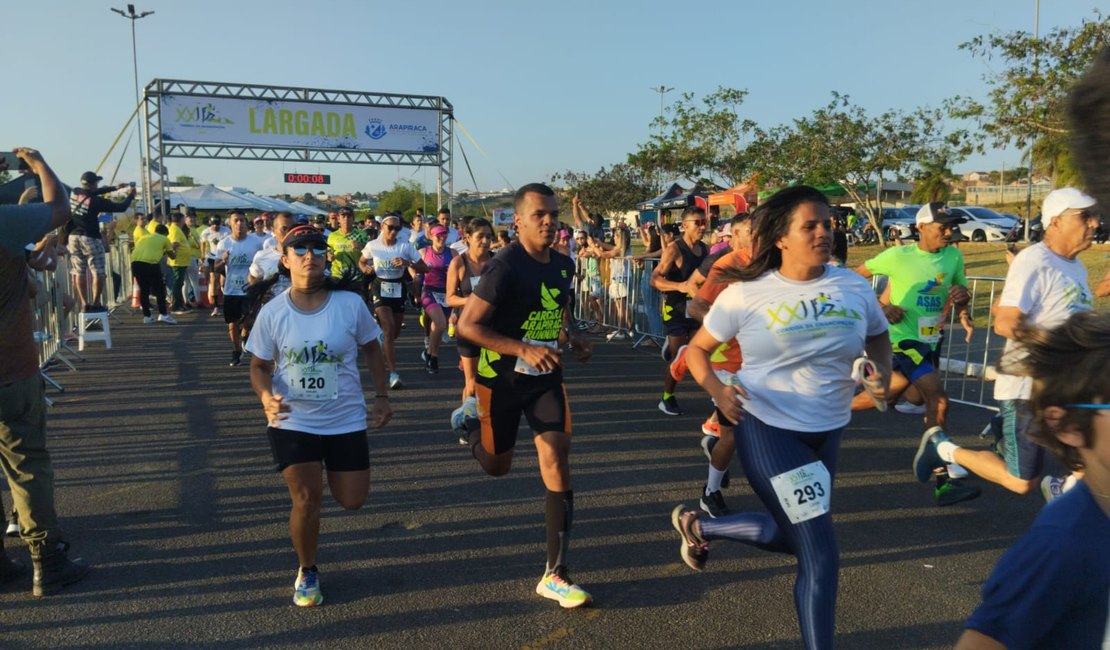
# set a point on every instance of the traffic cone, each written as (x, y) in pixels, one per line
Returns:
(134, 294)
(203, 297)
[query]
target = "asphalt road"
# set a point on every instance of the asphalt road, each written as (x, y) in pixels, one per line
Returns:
(164, 482)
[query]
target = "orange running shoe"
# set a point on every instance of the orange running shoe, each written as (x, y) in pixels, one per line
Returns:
(711, 428)
(678, 366)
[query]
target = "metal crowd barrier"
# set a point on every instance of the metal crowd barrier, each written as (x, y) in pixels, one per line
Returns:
(54, 324)
(616, 293)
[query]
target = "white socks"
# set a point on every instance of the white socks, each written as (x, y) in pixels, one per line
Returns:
(714, 482)
(946, 449)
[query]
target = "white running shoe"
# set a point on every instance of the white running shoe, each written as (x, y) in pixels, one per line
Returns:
(394, 379)
(909, 408)
(148, 320)
(166, 318)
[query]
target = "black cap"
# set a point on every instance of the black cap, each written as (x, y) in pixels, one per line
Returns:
(90, 177)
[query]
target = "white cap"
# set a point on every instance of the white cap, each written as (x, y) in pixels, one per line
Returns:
(1060, 201)
(937, 212)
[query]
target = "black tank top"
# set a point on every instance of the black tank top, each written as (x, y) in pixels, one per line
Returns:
(466, 285)
(688, 262)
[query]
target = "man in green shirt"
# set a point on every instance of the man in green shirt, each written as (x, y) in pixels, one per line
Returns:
(925, 279)
(346, 244)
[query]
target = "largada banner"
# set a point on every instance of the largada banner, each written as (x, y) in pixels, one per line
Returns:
(261, 122)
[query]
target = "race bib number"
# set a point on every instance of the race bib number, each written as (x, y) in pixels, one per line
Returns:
(235, 284)
(524, 368)
(315, 383)
(440, 298)
(928, 329)
(390, 289)
(804, 492)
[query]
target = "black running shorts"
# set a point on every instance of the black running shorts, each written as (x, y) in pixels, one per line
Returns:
(502, 400)
(344, 452)
(396, 305)
(235, 308)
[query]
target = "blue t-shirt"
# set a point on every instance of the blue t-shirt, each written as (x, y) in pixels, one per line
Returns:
(1052, 588)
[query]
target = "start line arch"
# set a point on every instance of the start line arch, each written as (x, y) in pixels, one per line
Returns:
(215, 120)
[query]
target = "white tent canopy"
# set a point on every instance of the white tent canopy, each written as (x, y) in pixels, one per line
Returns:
(210, 197)
(304, 208)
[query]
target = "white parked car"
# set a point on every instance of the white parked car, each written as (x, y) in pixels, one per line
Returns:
(983, 225)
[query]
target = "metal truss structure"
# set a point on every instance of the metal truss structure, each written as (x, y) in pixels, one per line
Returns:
(157, 150)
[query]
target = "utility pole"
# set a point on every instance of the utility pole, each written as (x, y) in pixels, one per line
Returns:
(133, 16)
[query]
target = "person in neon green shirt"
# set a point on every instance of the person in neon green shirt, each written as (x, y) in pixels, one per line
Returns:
(140, 231)
(146, 270)
(346, 243)
(924, 279)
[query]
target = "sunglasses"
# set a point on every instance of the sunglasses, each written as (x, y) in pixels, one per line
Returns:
(300, 251)
(696, 222)
(393, 228)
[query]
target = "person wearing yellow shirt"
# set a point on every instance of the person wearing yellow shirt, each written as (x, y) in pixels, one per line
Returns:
(140, 231)
(345, 244)
(192, 276)
(179, 264)
(146, 270)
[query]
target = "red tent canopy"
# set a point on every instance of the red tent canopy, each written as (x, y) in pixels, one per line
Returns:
(741, 196)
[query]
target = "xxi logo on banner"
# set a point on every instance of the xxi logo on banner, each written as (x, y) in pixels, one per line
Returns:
(200, 115)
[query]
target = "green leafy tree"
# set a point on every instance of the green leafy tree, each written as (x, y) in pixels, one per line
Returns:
(840, 143)
(702, 140)
(609, 191)
(933, 182)
(405, 197)
(1028, 88)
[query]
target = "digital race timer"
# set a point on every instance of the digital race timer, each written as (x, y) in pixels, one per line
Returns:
(317, 179)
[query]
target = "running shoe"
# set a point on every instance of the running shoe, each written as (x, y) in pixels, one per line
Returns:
(179, 310)
(424, 354)
(714, 504)
(678, 366)
(559, 587)
(306, 590)
(926, 459)
(954, 491)
(431, 364)
(1052, 487)
(459, 417)
(236, 358)
(165, 318)
(149, 320)
(707, 445)
(694, 550)
(13, 525)
(395, 379)
(711, 428)
(616, 335)
(670, 406)
(215, 311)
(909, 408)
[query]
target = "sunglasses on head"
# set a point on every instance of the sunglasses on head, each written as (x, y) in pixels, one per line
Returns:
(300, 251)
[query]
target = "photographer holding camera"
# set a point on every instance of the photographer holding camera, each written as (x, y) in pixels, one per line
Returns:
(23, 455)
(85, 245)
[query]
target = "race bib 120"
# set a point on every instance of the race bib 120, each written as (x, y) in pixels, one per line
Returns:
(804, 492)
(317, 382)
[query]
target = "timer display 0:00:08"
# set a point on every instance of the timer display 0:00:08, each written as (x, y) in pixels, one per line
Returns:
(319, 179)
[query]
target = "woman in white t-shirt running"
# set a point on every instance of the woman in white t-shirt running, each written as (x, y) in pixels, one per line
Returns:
(802, 324)
(304, 368)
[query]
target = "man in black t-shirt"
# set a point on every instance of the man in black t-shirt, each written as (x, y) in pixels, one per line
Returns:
(519, 316)
(85, 246)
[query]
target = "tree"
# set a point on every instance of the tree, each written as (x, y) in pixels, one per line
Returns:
(840, 143)
(933, 182)
(405, 197)
(609, 191)
(1028, 91)
(699, 141)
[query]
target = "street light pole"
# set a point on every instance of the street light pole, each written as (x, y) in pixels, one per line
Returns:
(133, 16)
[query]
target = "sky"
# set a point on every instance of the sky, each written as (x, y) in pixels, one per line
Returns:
(541, 86)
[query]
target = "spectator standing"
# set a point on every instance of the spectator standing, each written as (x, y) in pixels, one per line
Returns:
(24, 458)
(86, 248)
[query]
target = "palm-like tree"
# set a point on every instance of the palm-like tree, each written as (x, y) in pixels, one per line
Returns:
(933, 182)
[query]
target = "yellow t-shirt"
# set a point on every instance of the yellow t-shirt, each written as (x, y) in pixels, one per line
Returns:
(184, 254)
(138, 233)
(151, 248)
(152, 226)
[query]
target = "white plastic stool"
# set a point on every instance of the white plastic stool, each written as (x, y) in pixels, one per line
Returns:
(85, 334)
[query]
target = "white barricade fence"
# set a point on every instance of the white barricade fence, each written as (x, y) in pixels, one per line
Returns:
(52, 319)
(616, 294)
